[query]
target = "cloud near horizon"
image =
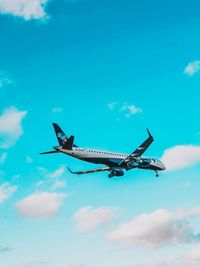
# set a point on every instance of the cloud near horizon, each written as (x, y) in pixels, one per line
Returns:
(191, 258)
(157, 229)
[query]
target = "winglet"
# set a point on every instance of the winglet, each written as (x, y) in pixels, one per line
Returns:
(70, 170)
(149, 133)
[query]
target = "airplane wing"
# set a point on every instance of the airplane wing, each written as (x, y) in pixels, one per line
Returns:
(139, 151)
(90, 171)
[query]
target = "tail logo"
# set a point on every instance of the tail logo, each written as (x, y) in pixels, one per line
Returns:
(62, 137)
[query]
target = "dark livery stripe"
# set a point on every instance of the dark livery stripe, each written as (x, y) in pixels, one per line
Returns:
(107, 161)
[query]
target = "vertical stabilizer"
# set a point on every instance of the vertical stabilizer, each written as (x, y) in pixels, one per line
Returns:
(63, 140)
(61, 136)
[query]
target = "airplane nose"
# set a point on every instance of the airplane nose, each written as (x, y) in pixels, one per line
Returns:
(163, 167)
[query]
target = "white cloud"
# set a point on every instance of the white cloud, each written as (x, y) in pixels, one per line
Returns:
(58, 184)
(27, 9)
(193, 256)
(57, 173)
(130, 110)
(167, 262)
(192, 68)
(21, 265)
(88, 218)
(75, 265)
(40, 205)
(156, 229)
(190, 258)
(29, 159)
(57, 109)
(112, 105)
(6, 190)
(3, 157)
(39, 184)
(181, 156)
(11, 126)
(4, 80)
(51, 180)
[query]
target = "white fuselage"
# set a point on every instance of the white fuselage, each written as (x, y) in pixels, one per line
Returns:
(111, 159)
(83, 153)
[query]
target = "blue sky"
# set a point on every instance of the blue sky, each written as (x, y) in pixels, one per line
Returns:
(103, 70)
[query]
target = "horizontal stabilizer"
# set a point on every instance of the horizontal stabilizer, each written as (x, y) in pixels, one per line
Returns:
(49, 152)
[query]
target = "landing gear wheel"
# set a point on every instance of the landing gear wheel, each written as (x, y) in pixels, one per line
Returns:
(157, 174)
(110, 175)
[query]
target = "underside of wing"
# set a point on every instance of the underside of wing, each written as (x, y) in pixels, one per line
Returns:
(90, 171)
(139, 151)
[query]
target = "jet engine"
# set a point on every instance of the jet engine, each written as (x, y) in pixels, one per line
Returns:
(116, 172)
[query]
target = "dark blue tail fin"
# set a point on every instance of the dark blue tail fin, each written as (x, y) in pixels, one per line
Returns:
(61, 136)
(69, 144)
(63, 140)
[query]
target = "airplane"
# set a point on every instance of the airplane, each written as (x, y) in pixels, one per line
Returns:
(115, 163)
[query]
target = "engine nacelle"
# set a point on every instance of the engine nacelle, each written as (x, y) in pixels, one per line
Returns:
(116, 172)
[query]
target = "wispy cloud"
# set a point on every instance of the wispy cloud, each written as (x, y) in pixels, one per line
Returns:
(57, 173)
(40, 205)
(192, 68)
(88, 218)
(130, 110)
(51, 180)
(3, 157)
(11, 126)
(159, 228)
(27, 9)
(57, 110)
(127, 109)
(4, 80)
(58, 184)
(6, 190)
(182, 156)
(29, 159)
(112, 105)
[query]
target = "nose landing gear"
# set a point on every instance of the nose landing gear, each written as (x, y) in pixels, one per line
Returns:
(157, 174)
